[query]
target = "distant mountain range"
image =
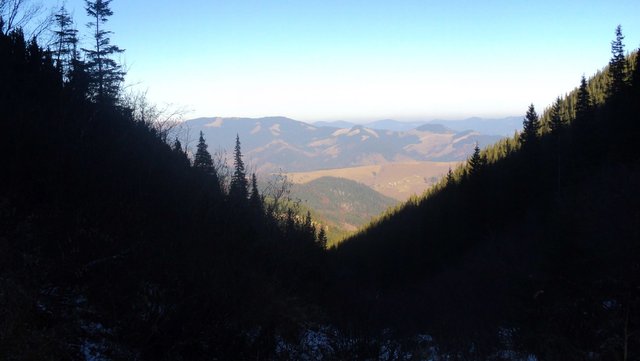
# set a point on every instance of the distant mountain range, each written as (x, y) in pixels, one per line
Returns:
(489, 126)
(278, 143)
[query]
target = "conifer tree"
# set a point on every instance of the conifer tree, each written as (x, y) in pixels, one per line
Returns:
(238, 189)
(65, 41)
(308, 229)
(556, 121)
(530, 127)
(255, 200)
(617, 65)
(202, 159)
(105, 74)
(449, 176)
(177, 148)
(322, 238)
(476, 162)
(583, 104)
(635, 78)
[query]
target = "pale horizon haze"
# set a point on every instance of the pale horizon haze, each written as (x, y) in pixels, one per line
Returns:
(362, 60)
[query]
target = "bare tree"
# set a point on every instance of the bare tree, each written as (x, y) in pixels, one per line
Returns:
(278, 195)
(223, 169)
(31, 17)
(163, 120)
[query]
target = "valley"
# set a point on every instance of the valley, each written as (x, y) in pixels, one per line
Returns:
(388, 160)
(397, 180)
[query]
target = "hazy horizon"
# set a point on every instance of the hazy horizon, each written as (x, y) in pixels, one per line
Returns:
(325, 60)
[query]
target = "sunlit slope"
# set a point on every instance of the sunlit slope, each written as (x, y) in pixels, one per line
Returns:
(398, 180)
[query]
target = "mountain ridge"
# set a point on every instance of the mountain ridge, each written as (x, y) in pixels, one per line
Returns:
(280, 143)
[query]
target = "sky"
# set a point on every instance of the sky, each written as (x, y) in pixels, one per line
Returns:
(362, 60)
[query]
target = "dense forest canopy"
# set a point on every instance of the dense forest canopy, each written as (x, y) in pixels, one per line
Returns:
(116, 244)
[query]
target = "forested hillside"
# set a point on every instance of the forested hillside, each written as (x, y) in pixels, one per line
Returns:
(113, 246)
(116, 245)
(531, 247)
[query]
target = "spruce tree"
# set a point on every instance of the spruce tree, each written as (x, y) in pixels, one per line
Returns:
(556, 121)
(476, 162)
(255, 200)
(308, 228)
(635, 78)
(617, 65)
(530, 127)
(65, 41)
(105, 74)
(202, 159)
(238, 189)
(177, 149)
(322, 238)
(450, 176)
(583, 104)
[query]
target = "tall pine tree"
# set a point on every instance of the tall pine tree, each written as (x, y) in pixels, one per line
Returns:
(556, 121)
(476, 162)
(255, 200)
(202, 159)
(617, 65)
(322, 238)
(530, 127)
(238, 189)
(65, 41)
(450, 175)
(635, 78)
(105, 74)
(583, 104)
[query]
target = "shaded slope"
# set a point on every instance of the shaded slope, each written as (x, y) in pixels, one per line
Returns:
(541, 242)
(112, 245)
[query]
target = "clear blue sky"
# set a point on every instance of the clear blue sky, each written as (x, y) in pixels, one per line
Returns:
(364, 60)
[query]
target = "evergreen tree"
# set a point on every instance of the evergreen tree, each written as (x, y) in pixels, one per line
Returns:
(309, 230)
(322, 238)
(65, 41)
(476, 162)
(449, 176)
(583, 104)
(177, 148)
(105, 74)
(617, 65)
(202, 158)
(255, 200)
(556, 121)
(530, 127)
(238, 189)
(635, 78)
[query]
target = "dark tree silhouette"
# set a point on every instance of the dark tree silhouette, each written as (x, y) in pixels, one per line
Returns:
(255, 200)
(530, 127)
(202, 159)
(476, 162)
(238, 189)
(322, 238)
(556, 121)
(450, 176)
(105, 74)
(583, 104)
(617, 65)
(635, 78)
(65, 41)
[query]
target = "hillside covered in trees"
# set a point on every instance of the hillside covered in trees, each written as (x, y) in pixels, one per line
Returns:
(115, 245)
(531, 247)
(112, 244)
